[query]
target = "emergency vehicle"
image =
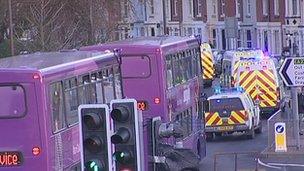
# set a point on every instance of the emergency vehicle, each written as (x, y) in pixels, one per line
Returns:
(207, 61)
(259, 77)
(231, 110)
(230, 64)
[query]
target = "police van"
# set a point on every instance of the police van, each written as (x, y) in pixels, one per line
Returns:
(207, 61)
(231, 110)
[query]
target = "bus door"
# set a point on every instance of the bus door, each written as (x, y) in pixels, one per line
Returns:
(20, 145)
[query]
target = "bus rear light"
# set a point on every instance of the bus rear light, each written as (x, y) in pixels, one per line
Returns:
(157, 100)
(36, 76)
(36, 151)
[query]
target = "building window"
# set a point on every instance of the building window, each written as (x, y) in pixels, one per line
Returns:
(190, 31)
(265, 41)
(238, 8)
(175, 7)
(152, 31)
(223, 39)
(214, 37)
(197, 8)
(265, 7)
(214, 7)
(276, 40)
(249, 39)
(276, 7)
(152, 6)
(199, 31)
(239, 43)
(294, 7)
(191, 7)
(125, 8)
(248, 7)
(222, 8)
(176, 32)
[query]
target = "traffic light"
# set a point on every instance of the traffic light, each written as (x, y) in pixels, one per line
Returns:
(95, 143)
(127, 135)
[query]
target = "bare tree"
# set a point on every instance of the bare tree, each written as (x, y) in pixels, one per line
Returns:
(39, 25)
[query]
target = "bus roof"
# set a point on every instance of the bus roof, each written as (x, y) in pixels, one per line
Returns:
(48, 61)
(159, 41)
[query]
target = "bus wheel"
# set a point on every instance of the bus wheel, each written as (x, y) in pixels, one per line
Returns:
(209, 136)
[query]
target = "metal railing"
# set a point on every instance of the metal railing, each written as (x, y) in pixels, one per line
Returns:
(241, 160)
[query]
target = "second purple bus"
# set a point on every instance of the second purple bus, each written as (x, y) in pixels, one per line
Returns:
(163, 75)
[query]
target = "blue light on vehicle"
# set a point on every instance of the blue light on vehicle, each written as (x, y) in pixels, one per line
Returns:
(240, 89)
(217, 90)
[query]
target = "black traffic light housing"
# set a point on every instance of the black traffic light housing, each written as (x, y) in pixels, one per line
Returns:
(126, 136)
(94, 126)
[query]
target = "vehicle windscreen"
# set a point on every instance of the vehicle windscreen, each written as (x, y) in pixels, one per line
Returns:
(13, 103)
(227, 104)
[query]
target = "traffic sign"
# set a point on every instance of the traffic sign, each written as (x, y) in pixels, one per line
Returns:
(280, 137)
(292, 72)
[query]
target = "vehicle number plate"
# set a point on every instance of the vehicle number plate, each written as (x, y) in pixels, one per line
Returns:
(225, 128)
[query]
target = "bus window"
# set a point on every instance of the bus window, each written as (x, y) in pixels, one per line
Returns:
(169, 71)
(178, 69)
(14, 103)
(86, 90)
(117, 79)
(187, 66)
(57, 107)
(108, 84)
(71, 100)
(99, 88)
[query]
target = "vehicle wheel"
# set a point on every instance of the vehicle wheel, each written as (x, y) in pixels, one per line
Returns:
(209, 136)
(251, 134)
(259, 129)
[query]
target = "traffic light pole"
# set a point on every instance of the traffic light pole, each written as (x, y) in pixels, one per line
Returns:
(295, 112)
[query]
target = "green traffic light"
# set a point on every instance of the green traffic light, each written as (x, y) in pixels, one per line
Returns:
(94, 166)
(122, 156)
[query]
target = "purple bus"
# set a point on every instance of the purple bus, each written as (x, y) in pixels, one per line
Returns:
(163, 75)
(40, 94)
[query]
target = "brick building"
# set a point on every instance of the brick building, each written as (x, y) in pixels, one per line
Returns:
(270, 25)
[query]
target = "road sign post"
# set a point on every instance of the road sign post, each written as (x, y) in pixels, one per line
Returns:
(280, 137)
(292, 73)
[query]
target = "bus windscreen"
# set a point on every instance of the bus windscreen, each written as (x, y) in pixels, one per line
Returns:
(13, 104)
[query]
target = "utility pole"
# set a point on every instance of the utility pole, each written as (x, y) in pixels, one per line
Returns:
(11, 27)
(295, 112)
(164, 17)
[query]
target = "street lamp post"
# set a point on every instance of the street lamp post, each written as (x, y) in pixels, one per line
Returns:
(164, 17)
(11, 27)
